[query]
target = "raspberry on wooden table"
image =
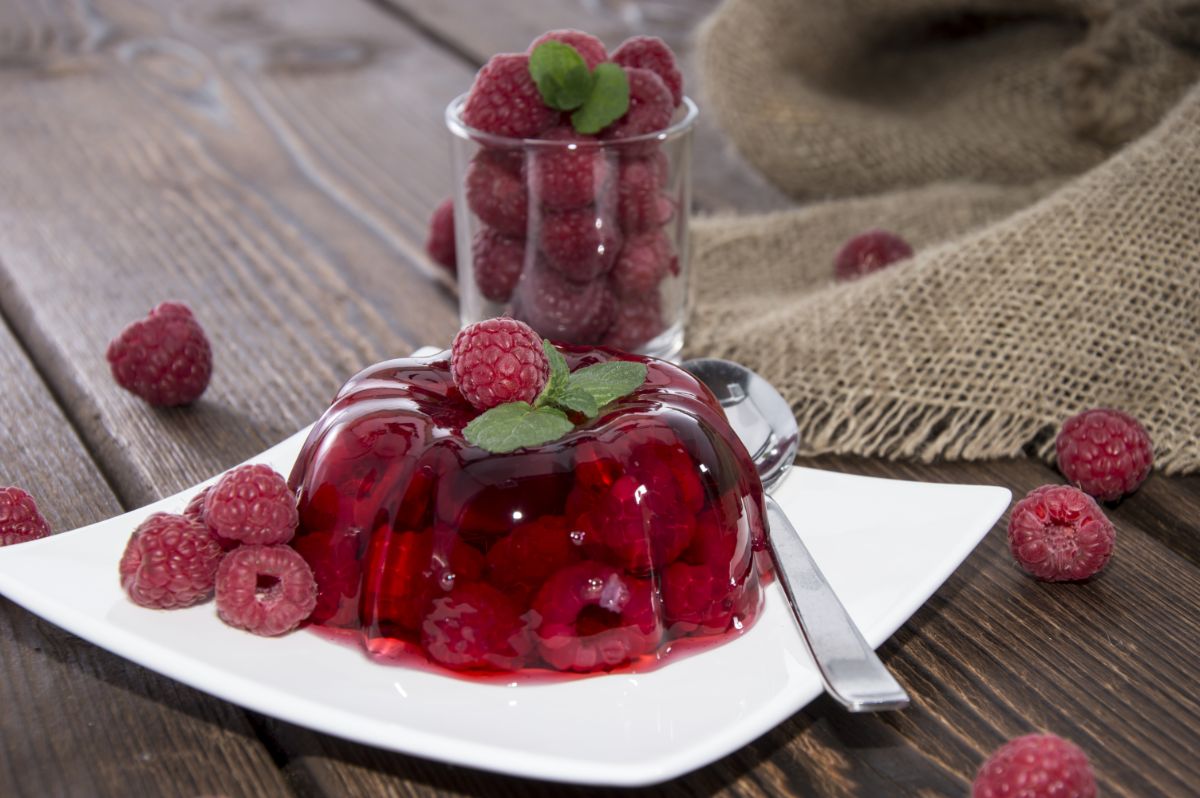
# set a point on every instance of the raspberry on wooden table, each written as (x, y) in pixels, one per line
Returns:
(1058, 533)
(253, 504)
(869, 252)
(169, 562)
(1106, 452)
(164, 358)
(496, 361)
(267, 590)
(1036, 766)
(505, 101)
(588, 46)
(652, 53)
(20, 519)
(440, 245)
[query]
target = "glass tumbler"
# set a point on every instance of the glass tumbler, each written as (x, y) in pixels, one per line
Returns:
(584, 239)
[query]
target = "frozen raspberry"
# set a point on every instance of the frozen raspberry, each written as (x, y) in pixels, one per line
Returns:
(195, 506)
(164, 358)
(20, 519)
(652, 53)
(650, 109)
(582, 244)
(641, 204)
(496, 192)
(496, 361)
(643, 263)
(267, 590)
(1105, 452)
(869, 252)
(587, 45)
(475, 626)
(405, 571)
(522, 560)
(253, 504)
(1058, 534)
(497, 261)
(561, 310)
(595, 618)
(440, 243)
(566, 177)
(638, 321)
(1036, 766)
(505, 101)
(169, 562)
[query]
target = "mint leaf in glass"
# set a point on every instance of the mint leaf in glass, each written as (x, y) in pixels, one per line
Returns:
(608, 381)
(561, 75)
(516, 425)
(606, 103)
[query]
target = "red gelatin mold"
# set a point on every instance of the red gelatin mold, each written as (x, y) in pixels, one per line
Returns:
(596, 551)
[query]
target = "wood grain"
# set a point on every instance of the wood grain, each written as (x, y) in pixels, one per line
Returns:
(78, 720)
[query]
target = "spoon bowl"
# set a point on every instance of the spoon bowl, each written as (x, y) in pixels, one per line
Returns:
(850, 669)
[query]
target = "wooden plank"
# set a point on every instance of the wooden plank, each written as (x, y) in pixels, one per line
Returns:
(722, 180)
(78, 720)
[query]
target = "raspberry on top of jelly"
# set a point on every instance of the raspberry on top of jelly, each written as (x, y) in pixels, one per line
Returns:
(594, 551)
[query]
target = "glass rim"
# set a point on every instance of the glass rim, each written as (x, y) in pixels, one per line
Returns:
(461, 129)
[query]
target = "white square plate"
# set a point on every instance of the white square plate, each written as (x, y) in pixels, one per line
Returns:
(884, 559)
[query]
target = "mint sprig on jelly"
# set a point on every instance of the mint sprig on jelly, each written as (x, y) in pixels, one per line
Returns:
(519, 425)
(598, 97)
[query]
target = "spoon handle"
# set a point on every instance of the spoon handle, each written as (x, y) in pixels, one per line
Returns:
(852, 672)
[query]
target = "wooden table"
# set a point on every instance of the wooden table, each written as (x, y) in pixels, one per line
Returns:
(273, 163)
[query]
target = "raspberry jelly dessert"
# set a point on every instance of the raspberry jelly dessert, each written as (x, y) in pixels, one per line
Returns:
(599, 550)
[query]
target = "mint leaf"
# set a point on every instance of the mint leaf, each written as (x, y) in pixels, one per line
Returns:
(608, 381)
(559, 373)
(516, 425)
(606, 103)
(561, 75)
(580, 401)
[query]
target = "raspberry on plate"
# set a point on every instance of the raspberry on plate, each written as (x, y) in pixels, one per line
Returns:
(164, 358)
(252, 504)
(563, 311)
(1036, 766)
(595, 618)
(650, 108)
(581, 243)
(1058, 533)
(1106, 452)
(497, 260)
(869, 252)
(440, 244)
(652, 53)
(496, 192)
(195, 506)
(587, 45)
(505, 101)
(565, 176)
(476, 626)
(267, 590)
(20, 519)
(497, 361)
(169, 562)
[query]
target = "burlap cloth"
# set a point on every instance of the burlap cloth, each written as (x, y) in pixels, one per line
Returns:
(1043, 158)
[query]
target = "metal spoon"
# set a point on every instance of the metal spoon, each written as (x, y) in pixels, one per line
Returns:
(852, 672)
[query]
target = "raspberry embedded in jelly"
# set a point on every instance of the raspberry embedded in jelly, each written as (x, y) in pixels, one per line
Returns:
(588, 553)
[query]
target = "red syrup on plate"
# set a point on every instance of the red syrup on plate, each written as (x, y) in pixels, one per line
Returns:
(619, 547)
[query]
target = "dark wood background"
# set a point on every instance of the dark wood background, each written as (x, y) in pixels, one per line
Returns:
(273, 163)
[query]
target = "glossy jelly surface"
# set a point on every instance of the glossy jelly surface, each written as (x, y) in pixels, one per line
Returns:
(590, 553)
